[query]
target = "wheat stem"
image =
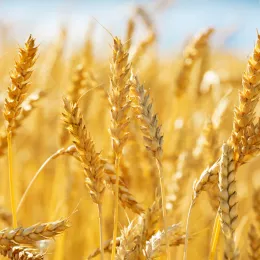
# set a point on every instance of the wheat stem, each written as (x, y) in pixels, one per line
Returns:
(11, 178)
(215, 237)
(100, 213)
(185, 254)
(62, 151)
(159, 167)
(117, 163)
(34, 179)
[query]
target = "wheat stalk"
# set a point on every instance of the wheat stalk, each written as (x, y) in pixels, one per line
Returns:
(16, 93)
(152, 136)
(71, 150)
(120, 105)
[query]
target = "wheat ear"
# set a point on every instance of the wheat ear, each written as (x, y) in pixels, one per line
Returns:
(79, 82)
(120, 105)
(243, 126)
(19, 252)
(129, 242)
(155, 246)
(15, 96)
(152, 136)
(19, 82)
(133, 238)
(142, 47)
(145, 16)
(129, 32)
(90, 159)
(228, 201)
(150, 220)
(37, 232)
(88, 48)
(191, 54)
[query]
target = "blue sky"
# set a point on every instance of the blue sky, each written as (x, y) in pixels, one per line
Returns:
(236, 21)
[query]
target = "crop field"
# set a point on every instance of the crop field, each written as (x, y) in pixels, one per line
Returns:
(116, 151)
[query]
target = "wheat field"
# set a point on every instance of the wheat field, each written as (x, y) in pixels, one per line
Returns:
(129, 154)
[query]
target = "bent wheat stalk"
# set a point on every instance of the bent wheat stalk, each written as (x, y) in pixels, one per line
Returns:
(71, 150)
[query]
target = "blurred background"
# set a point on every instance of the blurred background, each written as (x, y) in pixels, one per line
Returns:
(236, 20)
